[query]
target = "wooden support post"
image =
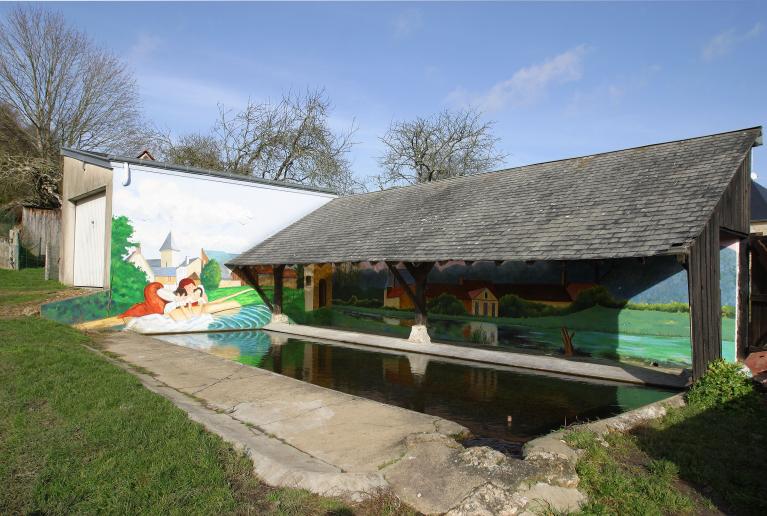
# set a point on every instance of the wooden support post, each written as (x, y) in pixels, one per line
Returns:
(420, 271)
(398, 277)
(252, 280)
(278, 271)
(418, 296)
(705, 298)
(742, 316)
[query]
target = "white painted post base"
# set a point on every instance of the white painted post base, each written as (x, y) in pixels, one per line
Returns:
(419, 334)
(280, 319)
(418, 363)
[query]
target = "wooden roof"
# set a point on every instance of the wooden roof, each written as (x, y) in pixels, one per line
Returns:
(641, 201)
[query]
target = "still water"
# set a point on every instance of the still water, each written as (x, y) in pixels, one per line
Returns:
(671, 352)
(480, 398)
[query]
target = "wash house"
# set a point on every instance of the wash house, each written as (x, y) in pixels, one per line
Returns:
(614, 219)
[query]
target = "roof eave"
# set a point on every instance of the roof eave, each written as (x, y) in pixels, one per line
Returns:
(107, 160)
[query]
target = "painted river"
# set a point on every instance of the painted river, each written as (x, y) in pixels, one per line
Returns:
(501, 405)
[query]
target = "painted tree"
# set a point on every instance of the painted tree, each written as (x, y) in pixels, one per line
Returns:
(210, 276)
(127, 281)
(448, 144)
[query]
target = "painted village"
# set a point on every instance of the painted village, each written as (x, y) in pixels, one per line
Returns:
(242, 321)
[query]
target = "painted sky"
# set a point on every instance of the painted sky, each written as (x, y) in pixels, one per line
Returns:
(560, 79)
(206, 213)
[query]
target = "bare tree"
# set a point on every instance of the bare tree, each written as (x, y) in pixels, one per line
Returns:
(290, 140)
(24, 176)
(194, 150)
(65, 89)
(445, 145)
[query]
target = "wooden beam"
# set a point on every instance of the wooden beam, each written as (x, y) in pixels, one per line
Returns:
(420, 272)
(278, 271)
(410, 294)
(244, 272)
(742, 303)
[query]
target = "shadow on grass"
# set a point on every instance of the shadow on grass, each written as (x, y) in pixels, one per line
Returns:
(722, 451)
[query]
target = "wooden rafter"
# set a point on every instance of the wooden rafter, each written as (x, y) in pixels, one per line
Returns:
(245, 273)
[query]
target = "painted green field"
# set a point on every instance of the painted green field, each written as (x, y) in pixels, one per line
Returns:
(291, 297)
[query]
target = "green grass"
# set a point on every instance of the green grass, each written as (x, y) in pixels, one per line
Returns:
(78, 434)
(686, 462)
(618, 480)
(25, 286)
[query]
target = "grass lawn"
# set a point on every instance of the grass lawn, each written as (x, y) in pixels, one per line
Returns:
(25, 286)
(78, 434)
(692, 461)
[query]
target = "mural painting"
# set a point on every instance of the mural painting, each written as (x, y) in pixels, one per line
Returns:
(171, 236)
(630, 310)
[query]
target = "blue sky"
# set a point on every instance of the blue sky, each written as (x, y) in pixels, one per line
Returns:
(560, 79)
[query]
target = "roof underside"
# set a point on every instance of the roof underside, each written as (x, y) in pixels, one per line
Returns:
(637, 202)
(758, 202)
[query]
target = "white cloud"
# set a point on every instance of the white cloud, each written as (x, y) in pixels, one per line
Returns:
(157, 206)
(407, 22)
(527, 84)
(186, 93)
(724, 42)
(144, 46)
(612, 92)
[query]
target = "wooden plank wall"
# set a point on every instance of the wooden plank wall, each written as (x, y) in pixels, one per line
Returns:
(705, 298)
(732, 213)
(40, 227)
(735, 206)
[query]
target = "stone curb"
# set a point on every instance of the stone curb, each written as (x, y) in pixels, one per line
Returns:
(276, 463)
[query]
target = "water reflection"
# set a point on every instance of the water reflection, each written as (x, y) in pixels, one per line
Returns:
(480, 398)
(668, 351)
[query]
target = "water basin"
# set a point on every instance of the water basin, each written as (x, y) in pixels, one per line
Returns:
(497, 404)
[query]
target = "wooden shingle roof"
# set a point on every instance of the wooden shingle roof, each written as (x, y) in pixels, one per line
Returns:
(641, 201)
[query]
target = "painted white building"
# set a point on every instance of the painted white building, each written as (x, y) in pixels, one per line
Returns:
(208, 213)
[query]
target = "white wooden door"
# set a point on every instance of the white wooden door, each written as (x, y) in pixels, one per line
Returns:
(90, 215)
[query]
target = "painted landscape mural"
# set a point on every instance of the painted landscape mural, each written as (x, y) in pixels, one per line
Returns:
(630, 310)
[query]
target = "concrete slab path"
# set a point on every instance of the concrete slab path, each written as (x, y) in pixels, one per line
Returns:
(303, 435)
(318, 429)
(574, 367)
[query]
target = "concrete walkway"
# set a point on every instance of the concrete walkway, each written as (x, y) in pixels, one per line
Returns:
(574, 367)
(302, 435)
